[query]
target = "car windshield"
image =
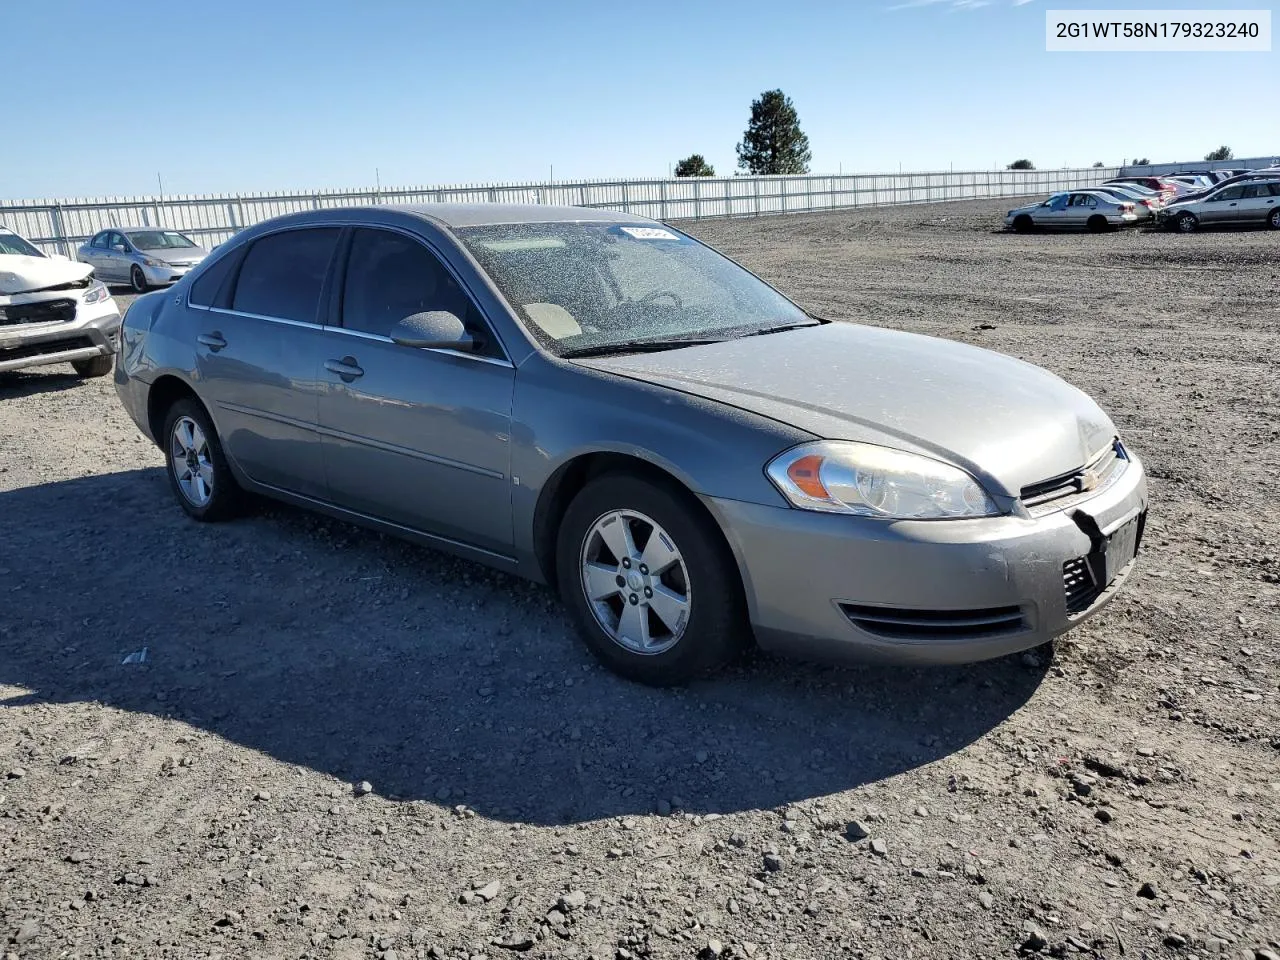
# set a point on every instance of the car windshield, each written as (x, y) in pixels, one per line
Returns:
(590, 287)
(159, 240)
(14, 245)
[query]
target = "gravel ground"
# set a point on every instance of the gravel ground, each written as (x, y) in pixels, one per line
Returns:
(339, 745)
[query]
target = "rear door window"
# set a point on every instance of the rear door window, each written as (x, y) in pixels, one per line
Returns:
(283, 274)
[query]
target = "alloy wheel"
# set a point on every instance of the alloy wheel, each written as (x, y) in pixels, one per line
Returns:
(189, 459)
(636, 582)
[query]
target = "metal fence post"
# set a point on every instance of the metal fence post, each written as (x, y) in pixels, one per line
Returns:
(58, 232)
(662, 196)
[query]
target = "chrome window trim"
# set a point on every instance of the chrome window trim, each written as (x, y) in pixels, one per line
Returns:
(378, 338)
(258, 316)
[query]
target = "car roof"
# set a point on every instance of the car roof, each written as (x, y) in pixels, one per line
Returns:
(488, 214)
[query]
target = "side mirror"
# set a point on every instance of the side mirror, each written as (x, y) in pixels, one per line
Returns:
(438, 329)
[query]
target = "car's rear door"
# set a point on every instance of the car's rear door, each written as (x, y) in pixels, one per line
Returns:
(1223, 206)
(1256, 203)
(418, 437)
(259, 340)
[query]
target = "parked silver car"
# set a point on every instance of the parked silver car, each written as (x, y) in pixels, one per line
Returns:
(1076, 209)
(142, 257)
(601, 402)
(1144, 205)
(1244, 202)
(53, 311)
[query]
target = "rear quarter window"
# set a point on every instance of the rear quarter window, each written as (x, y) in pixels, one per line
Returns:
(207, 286)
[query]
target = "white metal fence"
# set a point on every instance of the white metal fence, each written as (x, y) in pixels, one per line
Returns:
(62, 225)
(1160, 169)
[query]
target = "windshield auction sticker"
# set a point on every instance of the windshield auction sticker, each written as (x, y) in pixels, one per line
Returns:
(1158, 31)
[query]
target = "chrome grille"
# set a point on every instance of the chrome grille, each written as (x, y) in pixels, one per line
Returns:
(42, 311)
(1061, 492)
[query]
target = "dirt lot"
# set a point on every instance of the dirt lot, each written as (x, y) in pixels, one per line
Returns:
(343, 746)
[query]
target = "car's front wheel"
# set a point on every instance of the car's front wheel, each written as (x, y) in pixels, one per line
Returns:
(138, 279)
(98, 366)
(198, 470)
(1023, 224)
(649, 581)
(1274, 219)
(1187, 223)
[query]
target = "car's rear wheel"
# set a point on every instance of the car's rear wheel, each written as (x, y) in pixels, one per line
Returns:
(1274, 219)
(1187, 223)
(1023, 224)
(138, 279)
(649, 581)
(198, 470)
(98, 366)
(1097, 224)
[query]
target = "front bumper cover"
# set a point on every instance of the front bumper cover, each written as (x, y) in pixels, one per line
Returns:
(804, 572)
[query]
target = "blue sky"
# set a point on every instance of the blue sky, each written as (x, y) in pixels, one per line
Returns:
(236, 95)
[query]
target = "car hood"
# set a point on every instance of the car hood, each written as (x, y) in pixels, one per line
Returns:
(30, 274)
(1006, 421)
(177, 254)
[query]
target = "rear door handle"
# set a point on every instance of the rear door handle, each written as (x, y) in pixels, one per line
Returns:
(347, 368)
(214, 341)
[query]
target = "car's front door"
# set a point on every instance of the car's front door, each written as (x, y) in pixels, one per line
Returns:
(258, 350)
(415, 436)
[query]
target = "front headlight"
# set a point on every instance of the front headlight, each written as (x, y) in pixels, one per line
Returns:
(837, 476)
(96, 291)
(151, 262)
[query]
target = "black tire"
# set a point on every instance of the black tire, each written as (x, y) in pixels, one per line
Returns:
(138, 279)
(225, 495)
(98, 366)
(1097, 224)
(716, 630)
(1023, 223)
(1186, 223)
(1274, 220)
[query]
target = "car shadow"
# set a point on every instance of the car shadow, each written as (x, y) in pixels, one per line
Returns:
(435, 679)
(46, 379)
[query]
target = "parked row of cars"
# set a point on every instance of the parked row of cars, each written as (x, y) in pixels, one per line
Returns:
(1184, 202)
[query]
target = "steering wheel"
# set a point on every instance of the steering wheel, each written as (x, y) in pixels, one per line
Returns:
(659, 294)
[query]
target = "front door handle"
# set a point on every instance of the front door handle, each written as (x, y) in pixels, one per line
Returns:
(214, 341)
(347, 368)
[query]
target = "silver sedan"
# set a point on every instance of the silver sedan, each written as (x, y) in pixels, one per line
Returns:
(602, 403)
(142, 257)
(1076, 209)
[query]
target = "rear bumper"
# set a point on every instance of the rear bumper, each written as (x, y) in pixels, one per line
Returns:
(92, 333)
(816, 582)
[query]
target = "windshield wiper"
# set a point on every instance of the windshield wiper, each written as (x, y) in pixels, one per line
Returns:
(781, 328)
(640, 346)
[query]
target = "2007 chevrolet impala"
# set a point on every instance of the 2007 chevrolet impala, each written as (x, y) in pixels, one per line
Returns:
(603, 403)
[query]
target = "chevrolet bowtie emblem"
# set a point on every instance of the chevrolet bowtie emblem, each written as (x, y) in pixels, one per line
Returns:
(1089, 480)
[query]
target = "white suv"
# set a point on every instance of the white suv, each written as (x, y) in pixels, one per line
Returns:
(53, 310)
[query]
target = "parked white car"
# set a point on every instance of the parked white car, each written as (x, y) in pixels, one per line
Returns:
(1078, 209)
(53, 310)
